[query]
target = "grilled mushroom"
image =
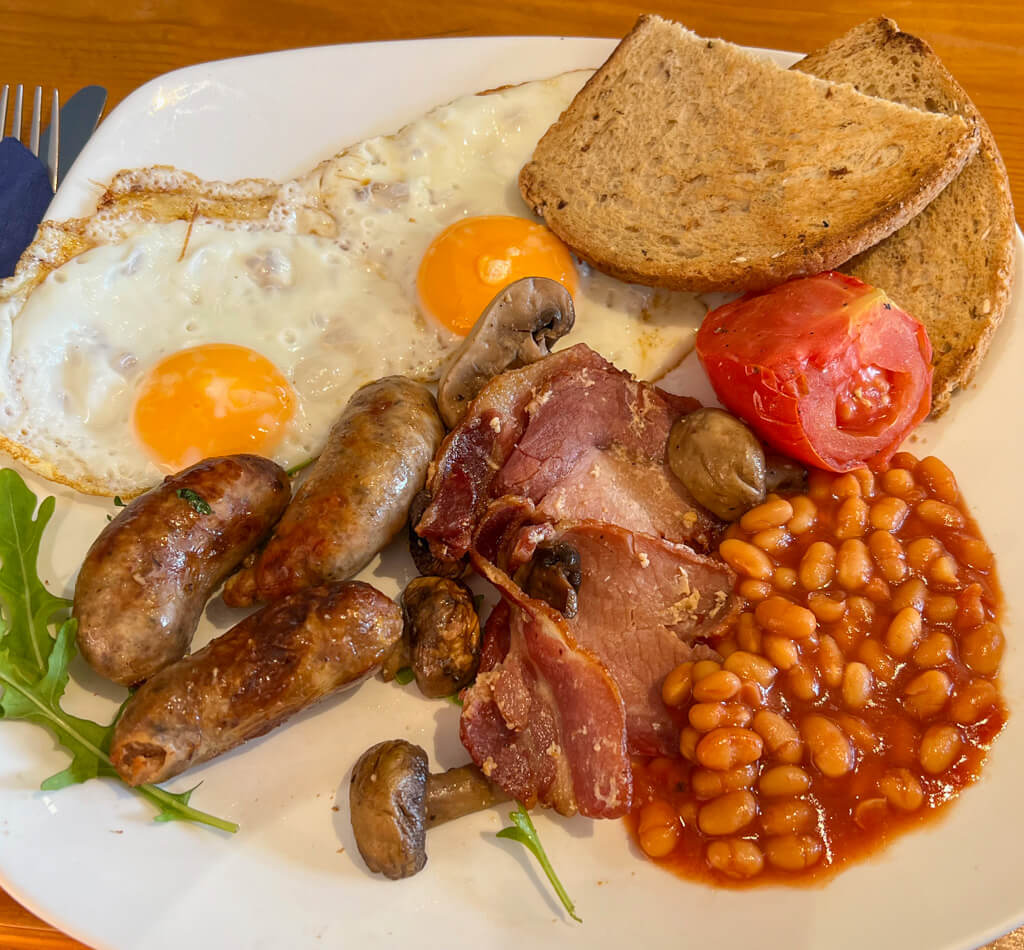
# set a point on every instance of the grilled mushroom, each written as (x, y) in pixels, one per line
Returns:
(393, 800)
(517, 327)
(441, 637)
(783, 474)
(719, 460)
(553, 575)
(443, 632)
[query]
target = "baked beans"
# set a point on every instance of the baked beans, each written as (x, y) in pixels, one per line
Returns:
(784, 781)
(735, 857)
(827, 607)
(727, 747)
(888, 514)
(783, 618)
(751, 667)
(746, 559)
(805, 512)
(707, 784)
(793, 852)
(817, 566)
(782, 651)
(787, 815)
(707, 716)
(769, 514)
(658, 828)
(721, 684)
(728, 813)
(857, 689)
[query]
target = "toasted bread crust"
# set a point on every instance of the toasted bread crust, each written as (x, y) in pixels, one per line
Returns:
(952, 265)
(691, 164)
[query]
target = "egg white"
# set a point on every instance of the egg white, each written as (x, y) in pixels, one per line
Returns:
(325, 288)
(388, 197)
(89, 334)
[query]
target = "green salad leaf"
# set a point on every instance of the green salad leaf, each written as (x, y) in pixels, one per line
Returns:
(34, 661)
(523, 831)
(295, 469)
(405, 676)
(198, 503)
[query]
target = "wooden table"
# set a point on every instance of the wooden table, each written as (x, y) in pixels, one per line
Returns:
(72, 43)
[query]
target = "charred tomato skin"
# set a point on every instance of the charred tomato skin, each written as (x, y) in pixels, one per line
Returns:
(825, 369)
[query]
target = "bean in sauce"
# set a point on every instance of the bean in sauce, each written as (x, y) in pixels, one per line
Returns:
(858, 691)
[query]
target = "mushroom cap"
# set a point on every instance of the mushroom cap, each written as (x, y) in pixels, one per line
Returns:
(387, 805)
(719, 460)
(443, 632)
(553, 576)
(517, 327)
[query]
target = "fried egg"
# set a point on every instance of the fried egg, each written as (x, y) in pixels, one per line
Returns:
(437, 196)
(134, 360)
(174, 340)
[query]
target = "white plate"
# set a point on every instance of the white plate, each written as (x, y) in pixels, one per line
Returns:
(90, 860)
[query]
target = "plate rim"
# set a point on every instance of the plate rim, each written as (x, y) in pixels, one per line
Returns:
(30, 902)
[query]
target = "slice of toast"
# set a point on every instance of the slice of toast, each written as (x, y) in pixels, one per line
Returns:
(696, 165)
(952, 265)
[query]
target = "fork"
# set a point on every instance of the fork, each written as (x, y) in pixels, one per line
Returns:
(37, 115)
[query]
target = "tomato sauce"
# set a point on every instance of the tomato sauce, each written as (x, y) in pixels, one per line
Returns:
(870, 716)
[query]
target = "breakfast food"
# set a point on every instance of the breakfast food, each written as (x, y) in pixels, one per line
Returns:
(534, 720)
(200, 340)
(556, 483)
(825, 369)
(440, 637)
(434, 210)
(952, 265)
(334, 279)
(719, 460)
(147, 577)
(556, 433)
(356, 497)
(693, 164)
(855, 694)
(519, 326)
(394, 801)
(560, 485)
(251, 679)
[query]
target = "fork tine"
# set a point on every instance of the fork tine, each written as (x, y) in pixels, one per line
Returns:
(37, 118)
(54, 148)
(16, 126)
(3, 110)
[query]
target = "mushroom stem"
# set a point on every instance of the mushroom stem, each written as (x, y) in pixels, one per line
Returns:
(459, 791)
(393, 800)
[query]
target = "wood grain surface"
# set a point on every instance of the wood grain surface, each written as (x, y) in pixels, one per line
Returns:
(71, 43)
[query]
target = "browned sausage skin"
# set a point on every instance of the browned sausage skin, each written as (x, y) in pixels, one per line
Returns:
(147, 577)
(274, 663)
(356, 497)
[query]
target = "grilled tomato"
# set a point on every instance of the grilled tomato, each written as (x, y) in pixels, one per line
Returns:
(826, 369)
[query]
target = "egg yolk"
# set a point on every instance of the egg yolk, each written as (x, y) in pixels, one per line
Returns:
(474, 258)
(215, 399)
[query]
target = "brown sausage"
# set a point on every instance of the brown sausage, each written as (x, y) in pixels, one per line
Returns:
(356, 497)
(273, 664)
(147, 577)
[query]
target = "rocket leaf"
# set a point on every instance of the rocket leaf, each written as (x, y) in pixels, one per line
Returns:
(523, 831)
(34, 662)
